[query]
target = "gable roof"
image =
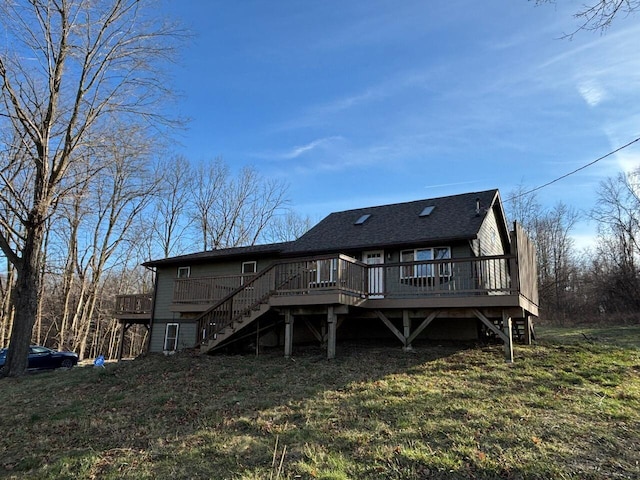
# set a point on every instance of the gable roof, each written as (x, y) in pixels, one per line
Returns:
(451, 218)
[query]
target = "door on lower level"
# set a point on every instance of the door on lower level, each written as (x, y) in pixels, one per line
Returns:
(376, 274)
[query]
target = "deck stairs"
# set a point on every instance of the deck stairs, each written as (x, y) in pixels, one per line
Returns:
(250, 301)
(236, 311)
(242, 307)
(222, 335)
(518, 329)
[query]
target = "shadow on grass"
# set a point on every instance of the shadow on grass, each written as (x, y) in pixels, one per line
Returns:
(441, 411)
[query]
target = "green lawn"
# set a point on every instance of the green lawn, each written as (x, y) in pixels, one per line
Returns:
(569, 407)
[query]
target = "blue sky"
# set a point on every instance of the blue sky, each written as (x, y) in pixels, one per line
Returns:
(359, 103)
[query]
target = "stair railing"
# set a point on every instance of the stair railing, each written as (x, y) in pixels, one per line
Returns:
(236, 304)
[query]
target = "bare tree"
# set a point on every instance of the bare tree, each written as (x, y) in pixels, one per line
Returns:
(168, 220)
(287, 227)
(231, 212)
(599, 15)
(523, 207)
(209, 182)
(75, 65)
(550, 231)
(617, 261)
(555, 257)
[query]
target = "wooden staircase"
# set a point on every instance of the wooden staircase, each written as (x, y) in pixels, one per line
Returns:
(222, 335)
(236, 311)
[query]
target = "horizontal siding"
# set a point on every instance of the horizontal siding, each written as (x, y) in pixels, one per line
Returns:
(489, 236)
(164, 294)
(165, 278)
(167, 275)
(186, 335)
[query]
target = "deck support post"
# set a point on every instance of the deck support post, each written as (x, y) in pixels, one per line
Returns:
(288, 333)
(527, 329)
(331, 334)
(123, 330)
(323, 335)
(406, 325)
(505, 334)
(507, 325)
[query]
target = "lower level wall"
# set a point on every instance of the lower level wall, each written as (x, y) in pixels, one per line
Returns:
(450, 329)
(355, 329)
(187, 335)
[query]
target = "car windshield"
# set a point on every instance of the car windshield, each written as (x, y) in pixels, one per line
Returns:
(37, 349)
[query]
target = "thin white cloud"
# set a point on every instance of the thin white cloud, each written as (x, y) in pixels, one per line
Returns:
(322, 113)
(300, 150)
(592, 92)
(455, 184)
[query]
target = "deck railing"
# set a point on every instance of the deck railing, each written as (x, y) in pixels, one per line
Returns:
(345, 275)
(296, 277)
(140, 303)
(207, 289)
(329, 273)
(461, 276)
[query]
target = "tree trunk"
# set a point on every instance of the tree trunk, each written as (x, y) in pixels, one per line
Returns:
(25, 301)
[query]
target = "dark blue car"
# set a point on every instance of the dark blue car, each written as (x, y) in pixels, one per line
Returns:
(43, 358)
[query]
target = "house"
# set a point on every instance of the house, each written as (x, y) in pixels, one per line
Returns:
(447, 267)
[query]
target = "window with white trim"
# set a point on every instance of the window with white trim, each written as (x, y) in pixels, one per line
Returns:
(425, 270)
(248, 270)
(184, 272)
(171, 337)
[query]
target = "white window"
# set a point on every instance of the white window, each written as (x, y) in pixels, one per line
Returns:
(424, 270)
(249, 269)
(184, 272)
(171, 337)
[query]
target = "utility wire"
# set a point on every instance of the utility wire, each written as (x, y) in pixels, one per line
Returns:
(574, 171)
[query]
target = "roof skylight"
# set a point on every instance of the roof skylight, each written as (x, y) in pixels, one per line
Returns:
(427, 210)
(362, 219)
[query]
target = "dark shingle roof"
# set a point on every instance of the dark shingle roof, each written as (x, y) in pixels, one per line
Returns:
(240, 252)
(452, 218)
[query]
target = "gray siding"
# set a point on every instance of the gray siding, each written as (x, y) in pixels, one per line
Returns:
(164, 294)
(491, 243)
(489, 236)
(165, 278)
(186, 335)
(167, 275)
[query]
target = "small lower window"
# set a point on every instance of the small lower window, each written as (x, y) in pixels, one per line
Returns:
(171, 337)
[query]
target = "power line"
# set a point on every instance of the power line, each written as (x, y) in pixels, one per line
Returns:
(574, 171)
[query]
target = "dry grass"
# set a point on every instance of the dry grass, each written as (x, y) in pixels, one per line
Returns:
(569, 407)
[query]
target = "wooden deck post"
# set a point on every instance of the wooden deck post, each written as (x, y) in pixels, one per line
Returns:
(123, 330)
(288, 333)
(527, 329)
(406, 324)
(507, 325)
(331, 337)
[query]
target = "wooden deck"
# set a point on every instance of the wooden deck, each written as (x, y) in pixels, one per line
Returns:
(136, 308)
(338, 280)
(493, 289)
(464, 282)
